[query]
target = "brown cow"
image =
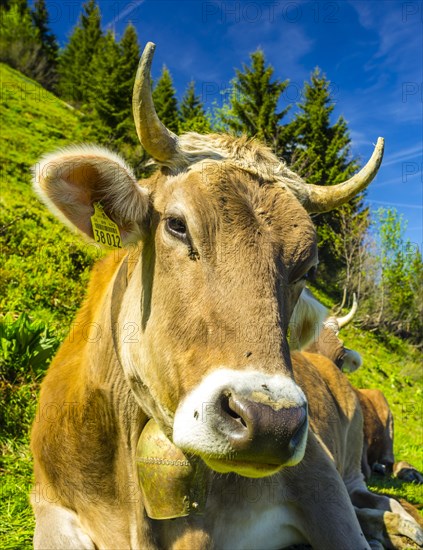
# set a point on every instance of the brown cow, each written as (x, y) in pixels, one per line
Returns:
(378, 444)
(326, 341)
(193, 334)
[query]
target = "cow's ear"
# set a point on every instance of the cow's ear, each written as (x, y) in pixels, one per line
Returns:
(75, 180)
(306, 321)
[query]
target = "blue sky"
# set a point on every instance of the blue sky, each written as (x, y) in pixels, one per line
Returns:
(371, 51)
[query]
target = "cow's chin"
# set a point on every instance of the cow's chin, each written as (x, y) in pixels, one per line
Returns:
(243, 468)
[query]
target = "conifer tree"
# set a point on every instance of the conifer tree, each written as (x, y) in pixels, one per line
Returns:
(322, 156)
(165, 101)
(21, 5)
(20, 43)
(75, 62)
(109, 107)
(48, 41)
(114, 67)
(102, 96)
(253, 103)
(129, 54)
(16, 28)
(192, 115)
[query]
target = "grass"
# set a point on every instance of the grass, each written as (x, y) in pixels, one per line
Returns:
(394, 367)
(45, 266)
(45, 270)
(16, 518)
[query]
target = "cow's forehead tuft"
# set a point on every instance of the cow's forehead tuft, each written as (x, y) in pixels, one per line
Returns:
(195, 150)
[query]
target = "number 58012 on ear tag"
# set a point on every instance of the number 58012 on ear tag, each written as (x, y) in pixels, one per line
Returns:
(106, 231)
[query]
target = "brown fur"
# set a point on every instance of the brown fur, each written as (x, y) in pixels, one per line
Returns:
(378, 420)
(103, 492)
(186, 308)
(378, 444)
(329, 345)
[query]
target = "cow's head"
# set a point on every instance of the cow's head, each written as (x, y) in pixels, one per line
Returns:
(328, 343)
(226, 243)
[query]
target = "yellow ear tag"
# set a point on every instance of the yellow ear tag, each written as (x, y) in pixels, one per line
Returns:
(106, 232)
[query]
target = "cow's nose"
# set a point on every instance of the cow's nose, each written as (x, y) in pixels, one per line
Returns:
(263, 432)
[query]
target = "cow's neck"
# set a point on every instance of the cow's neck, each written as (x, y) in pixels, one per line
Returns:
(105, 370)
(130, 304)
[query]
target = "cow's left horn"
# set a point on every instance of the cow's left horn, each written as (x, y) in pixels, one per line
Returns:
(156, 139)
(343, 321)
(319, 198)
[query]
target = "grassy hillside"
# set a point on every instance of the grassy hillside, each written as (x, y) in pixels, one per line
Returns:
(44, 273)
(43, 261)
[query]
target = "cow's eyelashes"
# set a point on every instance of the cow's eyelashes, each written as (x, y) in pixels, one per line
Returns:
(177, 227)
(310, 275)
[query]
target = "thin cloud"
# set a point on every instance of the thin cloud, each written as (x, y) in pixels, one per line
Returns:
(404, 154)
(364, 13)
(125, 12)
(399, 204)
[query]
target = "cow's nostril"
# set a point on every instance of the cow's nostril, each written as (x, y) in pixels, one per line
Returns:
(229, 407)
(258, 430)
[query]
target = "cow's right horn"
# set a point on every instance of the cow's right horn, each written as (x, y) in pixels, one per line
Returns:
(156, 139)
(323, 198)
(343, 321)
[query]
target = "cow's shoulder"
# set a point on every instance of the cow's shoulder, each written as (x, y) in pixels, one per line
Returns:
(75, 432)
(334, 410)
(335, 380)
(65, 379)
(82, 330)
(326, 387)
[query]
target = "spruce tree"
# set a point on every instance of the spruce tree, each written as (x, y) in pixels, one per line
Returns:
(192, 115)
(17, 34)
(75, 62)
(21, 5)
(114, 66)
(165, 101)
(49, 45)
(322, 156)
(109, 107)
(129, 54)
(102, 95)
(253, 103)
(20, 43)
(41, 21)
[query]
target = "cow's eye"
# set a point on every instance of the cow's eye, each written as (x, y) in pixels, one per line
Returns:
(339, 362)
(310, 275)
(177, 228)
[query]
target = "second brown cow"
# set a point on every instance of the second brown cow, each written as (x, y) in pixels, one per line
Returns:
(378, 428)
